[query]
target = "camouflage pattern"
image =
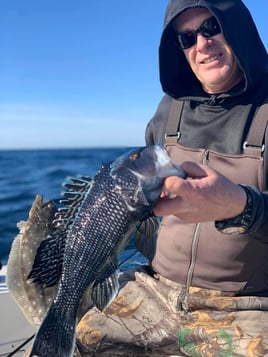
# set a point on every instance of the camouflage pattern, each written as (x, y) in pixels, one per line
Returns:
(141, 321)
(146, 319)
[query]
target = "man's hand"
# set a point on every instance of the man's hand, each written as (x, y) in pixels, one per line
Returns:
(205, 196)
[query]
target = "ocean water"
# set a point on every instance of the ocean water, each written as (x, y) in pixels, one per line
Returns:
(26, 173)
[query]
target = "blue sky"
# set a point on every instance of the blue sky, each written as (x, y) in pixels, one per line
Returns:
(82, 73)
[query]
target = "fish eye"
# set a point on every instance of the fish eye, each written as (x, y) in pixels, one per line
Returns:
(134, 156)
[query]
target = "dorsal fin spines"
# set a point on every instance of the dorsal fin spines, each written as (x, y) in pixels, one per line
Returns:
(72, 200)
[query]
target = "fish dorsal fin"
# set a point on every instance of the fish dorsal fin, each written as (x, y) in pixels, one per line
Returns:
(78, 188)
(47, 265)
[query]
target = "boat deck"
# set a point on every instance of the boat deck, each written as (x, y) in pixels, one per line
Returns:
(14, 328)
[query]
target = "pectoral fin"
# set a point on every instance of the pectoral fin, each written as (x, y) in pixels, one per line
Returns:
(106, 287)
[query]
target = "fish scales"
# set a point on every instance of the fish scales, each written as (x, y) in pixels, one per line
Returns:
(93, 226)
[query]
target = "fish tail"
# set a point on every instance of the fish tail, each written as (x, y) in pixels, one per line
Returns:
(56, 335)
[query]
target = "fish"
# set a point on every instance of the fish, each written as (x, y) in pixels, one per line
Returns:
(31, 298)
(93, 226)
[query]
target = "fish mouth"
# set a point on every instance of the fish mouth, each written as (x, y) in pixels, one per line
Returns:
(165, 167)
(152, 181)
(150, 165)
(162, 168)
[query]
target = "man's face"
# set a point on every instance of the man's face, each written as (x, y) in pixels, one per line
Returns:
(211, 59)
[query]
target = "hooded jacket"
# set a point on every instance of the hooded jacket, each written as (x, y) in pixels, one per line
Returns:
(178, 81)
(220, 123)
(239, 31)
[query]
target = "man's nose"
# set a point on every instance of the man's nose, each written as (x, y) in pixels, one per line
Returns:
(202, 42)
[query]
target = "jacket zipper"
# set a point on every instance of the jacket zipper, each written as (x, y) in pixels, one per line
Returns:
(182, 302)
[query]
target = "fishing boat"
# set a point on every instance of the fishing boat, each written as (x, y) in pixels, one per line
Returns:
(16, 333)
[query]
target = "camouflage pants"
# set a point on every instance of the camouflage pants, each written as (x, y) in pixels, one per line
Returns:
(144, 320)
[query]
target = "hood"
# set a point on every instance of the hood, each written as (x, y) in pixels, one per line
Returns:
(239, 30)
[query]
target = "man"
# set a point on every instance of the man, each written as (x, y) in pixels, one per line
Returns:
(204, 293)
(210, 265)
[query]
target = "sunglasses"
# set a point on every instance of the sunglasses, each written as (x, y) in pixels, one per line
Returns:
(209, 28)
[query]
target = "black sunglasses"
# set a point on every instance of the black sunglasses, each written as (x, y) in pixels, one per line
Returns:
(209, 28)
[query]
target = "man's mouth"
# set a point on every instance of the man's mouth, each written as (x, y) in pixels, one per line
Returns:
(211, 59)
